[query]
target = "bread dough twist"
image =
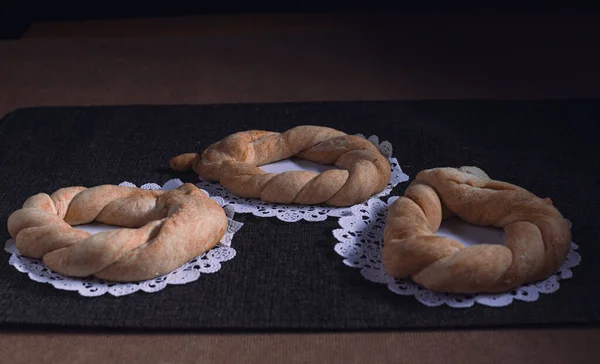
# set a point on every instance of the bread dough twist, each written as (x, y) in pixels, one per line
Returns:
(162, 230)
(537, 236)
(233, 162)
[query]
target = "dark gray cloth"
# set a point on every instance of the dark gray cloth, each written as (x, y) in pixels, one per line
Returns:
(286, 275)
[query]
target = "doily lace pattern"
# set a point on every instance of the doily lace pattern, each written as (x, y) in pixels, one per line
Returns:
(294, 213)
(209, 262)
(360, 239)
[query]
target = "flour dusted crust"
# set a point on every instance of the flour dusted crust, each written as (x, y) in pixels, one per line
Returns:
(537, 236)
(161, 231)
(234, 161)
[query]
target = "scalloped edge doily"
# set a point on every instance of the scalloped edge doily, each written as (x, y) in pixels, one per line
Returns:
(209, 262)
(367, 258)
(295, 213)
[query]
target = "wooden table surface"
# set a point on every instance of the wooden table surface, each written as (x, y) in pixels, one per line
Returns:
(486, 54)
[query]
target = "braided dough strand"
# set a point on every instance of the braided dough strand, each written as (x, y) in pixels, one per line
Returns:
(162, 230)
(234, 161)
(537, 236)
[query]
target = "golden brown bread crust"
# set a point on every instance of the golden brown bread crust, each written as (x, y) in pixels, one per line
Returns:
(537, 236)
(234, 161)
(163, 230)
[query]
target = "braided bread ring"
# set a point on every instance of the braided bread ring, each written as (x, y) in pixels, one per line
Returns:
(162, 230)
(537, 236)
(234, 161)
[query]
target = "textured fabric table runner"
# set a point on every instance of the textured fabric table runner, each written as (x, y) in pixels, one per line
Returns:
(286, 275)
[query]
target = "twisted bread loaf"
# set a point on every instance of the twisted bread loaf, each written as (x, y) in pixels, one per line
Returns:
(234, 161)
(163, 230)
(537, 236)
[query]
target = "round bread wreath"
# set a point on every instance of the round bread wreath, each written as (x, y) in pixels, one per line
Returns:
(233, 162)
(161, 230)
(537, 236)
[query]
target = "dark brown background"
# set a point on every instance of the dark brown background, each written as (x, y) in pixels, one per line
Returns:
(491, 53)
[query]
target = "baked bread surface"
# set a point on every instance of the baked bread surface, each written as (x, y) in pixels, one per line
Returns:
(235, 160)
(537, 236)
(161, 231)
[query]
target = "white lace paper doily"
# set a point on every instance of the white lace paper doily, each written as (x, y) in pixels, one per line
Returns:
(294, 213)
(360, 241)
(209, 262)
